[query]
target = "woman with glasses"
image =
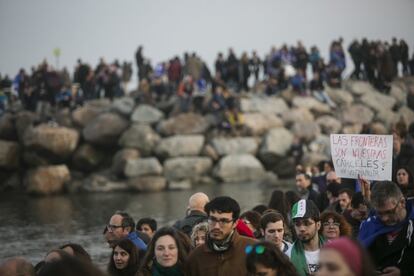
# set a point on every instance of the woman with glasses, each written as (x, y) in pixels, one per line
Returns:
(334, 225)
(344, 257)
(166, 254)
(265, 258)
(124, 259)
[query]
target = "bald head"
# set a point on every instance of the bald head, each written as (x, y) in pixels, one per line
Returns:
(197, 201)
(16, 266)
(332, 177)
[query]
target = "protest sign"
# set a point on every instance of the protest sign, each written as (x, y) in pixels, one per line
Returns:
(369, 156)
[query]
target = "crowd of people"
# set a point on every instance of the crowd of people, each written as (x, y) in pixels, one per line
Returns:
(195, 87)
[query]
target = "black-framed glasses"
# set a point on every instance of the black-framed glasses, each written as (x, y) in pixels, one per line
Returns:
(305, 222)
(221, 222)
(112, 227)
(390, 212)
(259, 249)
(331, 224)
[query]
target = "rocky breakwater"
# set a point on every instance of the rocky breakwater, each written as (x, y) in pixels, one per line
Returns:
(108, 146)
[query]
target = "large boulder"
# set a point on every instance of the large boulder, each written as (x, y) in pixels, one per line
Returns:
(239, 168)
(378, 101)
(47, 180)
(82, 116)
(147, 183)
(146, 114)
(329, 124)
(275, 145)
(340, 96)
(258, 123)
(120, 159)
(9, 155)
(307, 131)
(185, 123)
(186, 167)
(238, 145)
(141, 137)
(7, 128)
(399, 94)
(87, 157)
(123, 106)
(321, 145)
(267, 105)
(311, 104)
(357, 114)
(98, 182)
(360, 88)
(180, 145)
(23, 121)
(297, 115)
(407, 114)
(142, 166)
(387, 117)
(105, 129)
(60, 142)
(63, 118)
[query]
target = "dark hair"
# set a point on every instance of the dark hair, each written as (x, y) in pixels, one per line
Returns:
(60, 252)
(291, 198)
(70, 266)
(223, 204)
(152, 223)
(410, 175)
(383, 191)
(345, 229)
(183, 251)
(349, 192)
(78, 250)
(307, 176)
(272, 258)
(271, 217)
(358, 199)
(260, 208)
(133, 262)
(278, 202)
(127, 220)
(253, 217)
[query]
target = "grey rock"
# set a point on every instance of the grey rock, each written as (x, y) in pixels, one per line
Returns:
(142, 166)
(141, 137)
(146, 114)
(185, 123)
(47, 180)
(123, 106)
(340, 97)
(105, 129)
(101, 183)
(238, 145)
(239, 168)
(267, 105)
(329, 124)
(307, 131)
(258, 124)
(147, 184)
(297, 115)
(121, 157)
(378, 101)
(9, 155)
(186, 167)
(357, 114)
(180, 145)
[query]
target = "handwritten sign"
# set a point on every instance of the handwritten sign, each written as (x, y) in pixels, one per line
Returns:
(369, 156)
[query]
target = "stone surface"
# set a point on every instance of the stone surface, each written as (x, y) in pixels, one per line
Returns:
(24, 120)
(141, 137)
(82, 116)
(146, 114)
(102, 183)
(180, 145)
(312, 104)
(239, 168)
(307, 131)
(9, 155)
(329, 124)
(238, 145)
(387, 117)
(60, 142)
(47, 180)
(399, 94)
(340, 96)
(185, 123)
(357, 114)
(123, 106)
(121, 157)
(105, 129)
(258, 124)
(360, 88)
(87, 158)
(267, 105)
(209, 151)
(297, 115)
(186, 167)
(276, 142)
(406, 113)
(378, 101)
(142, 166)
(7, 127)
(185, 184)
(321, 145)
(147, 184)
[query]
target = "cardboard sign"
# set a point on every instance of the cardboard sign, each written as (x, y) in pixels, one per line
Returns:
(369, 156)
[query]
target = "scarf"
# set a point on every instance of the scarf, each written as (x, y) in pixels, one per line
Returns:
(298, 259)
(158, 270)
(373, 227)
(220, 246)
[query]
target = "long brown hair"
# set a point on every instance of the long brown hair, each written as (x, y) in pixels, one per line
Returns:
(345, 229)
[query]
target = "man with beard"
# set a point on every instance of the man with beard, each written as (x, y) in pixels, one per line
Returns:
(272, 226)
(388, 233)
(304, 253)
(224, 250)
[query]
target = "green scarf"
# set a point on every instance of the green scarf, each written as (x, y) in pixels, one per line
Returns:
(298, 259)
(158, 270)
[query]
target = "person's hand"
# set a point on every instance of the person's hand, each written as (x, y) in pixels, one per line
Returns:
(391, 271)
(365, 187)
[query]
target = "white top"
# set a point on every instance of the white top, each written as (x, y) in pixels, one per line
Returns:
(312, 259)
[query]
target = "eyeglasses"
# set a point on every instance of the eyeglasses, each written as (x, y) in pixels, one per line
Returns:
(112, 227)
(305, 222)
(331, 224)
(259, 249)
(391, 212)
(221, 222)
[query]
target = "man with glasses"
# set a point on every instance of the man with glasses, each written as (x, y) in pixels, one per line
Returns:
(388, 233)
(224, 250)
(122, 226)
(304, 253)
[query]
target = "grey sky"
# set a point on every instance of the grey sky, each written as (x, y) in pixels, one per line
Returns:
(30, 30)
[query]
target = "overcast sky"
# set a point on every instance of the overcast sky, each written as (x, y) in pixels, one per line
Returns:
(87, 29)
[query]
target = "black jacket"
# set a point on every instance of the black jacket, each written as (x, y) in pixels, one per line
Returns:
(186, 225)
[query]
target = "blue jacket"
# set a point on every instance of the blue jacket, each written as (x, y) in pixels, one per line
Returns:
(137, 241)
